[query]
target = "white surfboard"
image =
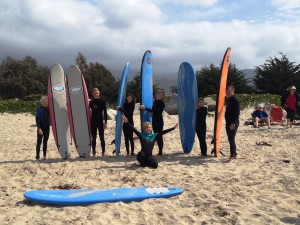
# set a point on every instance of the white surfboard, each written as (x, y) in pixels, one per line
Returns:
(58, 110)
(79, 111)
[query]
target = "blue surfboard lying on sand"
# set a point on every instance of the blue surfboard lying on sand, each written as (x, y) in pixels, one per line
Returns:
(187, 99)
(91, 196)
(147, 87)
(120, 102)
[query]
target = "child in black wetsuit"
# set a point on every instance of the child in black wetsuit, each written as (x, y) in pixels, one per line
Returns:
(147, 139)
(98, 120)
(42, 119)
(157, 118)
(201, 113)
(128, 110)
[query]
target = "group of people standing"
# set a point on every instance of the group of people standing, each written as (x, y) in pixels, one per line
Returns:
(147, 137)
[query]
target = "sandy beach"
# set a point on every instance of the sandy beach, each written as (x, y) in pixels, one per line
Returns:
(261, 187)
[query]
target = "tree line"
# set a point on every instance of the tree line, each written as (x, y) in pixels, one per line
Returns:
(23, 78)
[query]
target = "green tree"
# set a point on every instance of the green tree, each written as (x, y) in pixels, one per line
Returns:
(97, 75)
(208, 79)
(134, 87)
(82, 62)
(20, 78)
(276, 75)
(237, 78)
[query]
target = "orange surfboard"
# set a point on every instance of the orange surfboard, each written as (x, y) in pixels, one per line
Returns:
(219, 113)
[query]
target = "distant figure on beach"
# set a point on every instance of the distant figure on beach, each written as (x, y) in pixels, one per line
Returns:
(98, 120)
(42, 119)
(260, 116)
(157, 118)
(128, 110)
(289, 102)
(147, 139)
(201, 113)
(232, 114)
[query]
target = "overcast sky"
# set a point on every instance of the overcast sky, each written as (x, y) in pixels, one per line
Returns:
(113, 32)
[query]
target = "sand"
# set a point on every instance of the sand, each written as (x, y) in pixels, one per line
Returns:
(261, 187)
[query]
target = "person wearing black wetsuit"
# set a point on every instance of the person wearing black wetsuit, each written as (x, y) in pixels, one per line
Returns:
(98, 120)
(128, 110)
(201, 113)
(232, 114)
(147, 139)
(42, 119)
(157, 117)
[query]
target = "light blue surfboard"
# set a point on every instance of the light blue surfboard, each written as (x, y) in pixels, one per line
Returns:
(187, 99)
(91, 196)
(147, 87)
(120, 102)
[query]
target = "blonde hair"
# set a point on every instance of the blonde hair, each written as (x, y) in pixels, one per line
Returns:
(96, 89)
(146, 124)
(43, 98)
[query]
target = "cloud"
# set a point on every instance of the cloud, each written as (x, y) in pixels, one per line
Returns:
(285, 5)
(112, 33)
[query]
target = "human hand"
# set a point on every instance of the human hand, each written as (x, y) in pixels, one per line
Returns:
(232, 126)
(125, 120)
(117, 107)
(40, 132)
(104, 125)
(142, 106)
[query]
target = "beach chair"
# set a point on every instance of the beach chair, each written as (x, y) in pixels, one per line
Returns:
(276, 115)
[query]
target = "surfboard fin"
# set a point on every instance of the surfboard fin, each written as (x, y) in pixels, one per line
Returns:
(214, 152)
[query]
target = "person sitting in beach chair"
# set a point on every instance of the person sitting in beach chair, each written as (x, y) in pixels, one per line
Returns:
(260, 116)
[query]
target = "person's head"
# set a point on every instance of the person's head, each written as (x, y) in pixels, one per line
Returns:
(201, 102)
(159, 93)
(292, 89)
(147, 127)
(44, 101)
(130, 98)
(260, 107)
(96, 93)
(230, 91)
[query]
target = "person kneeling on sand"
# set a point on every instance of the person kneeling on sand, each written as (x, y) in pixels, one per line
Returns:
(147, 139)
(260, 116)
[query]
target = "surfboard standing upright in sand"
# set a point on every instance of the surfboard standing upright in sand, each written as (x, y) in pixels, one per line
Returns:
(147, 87)
(187, 99)
(58, 110)
(78, 111)
(120, 102)
(219, 112)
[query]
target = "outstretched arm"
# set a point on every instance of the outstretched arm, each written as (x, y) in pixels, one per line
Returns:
(167, 130)
(125, 120)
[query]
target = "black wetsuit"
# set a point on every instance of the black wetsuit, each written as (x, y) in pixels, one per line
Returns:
(128, 110)
(158, 121)
(42, 119)
(201, 114)
(99, 114)
(144, 157)
(232, 117)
